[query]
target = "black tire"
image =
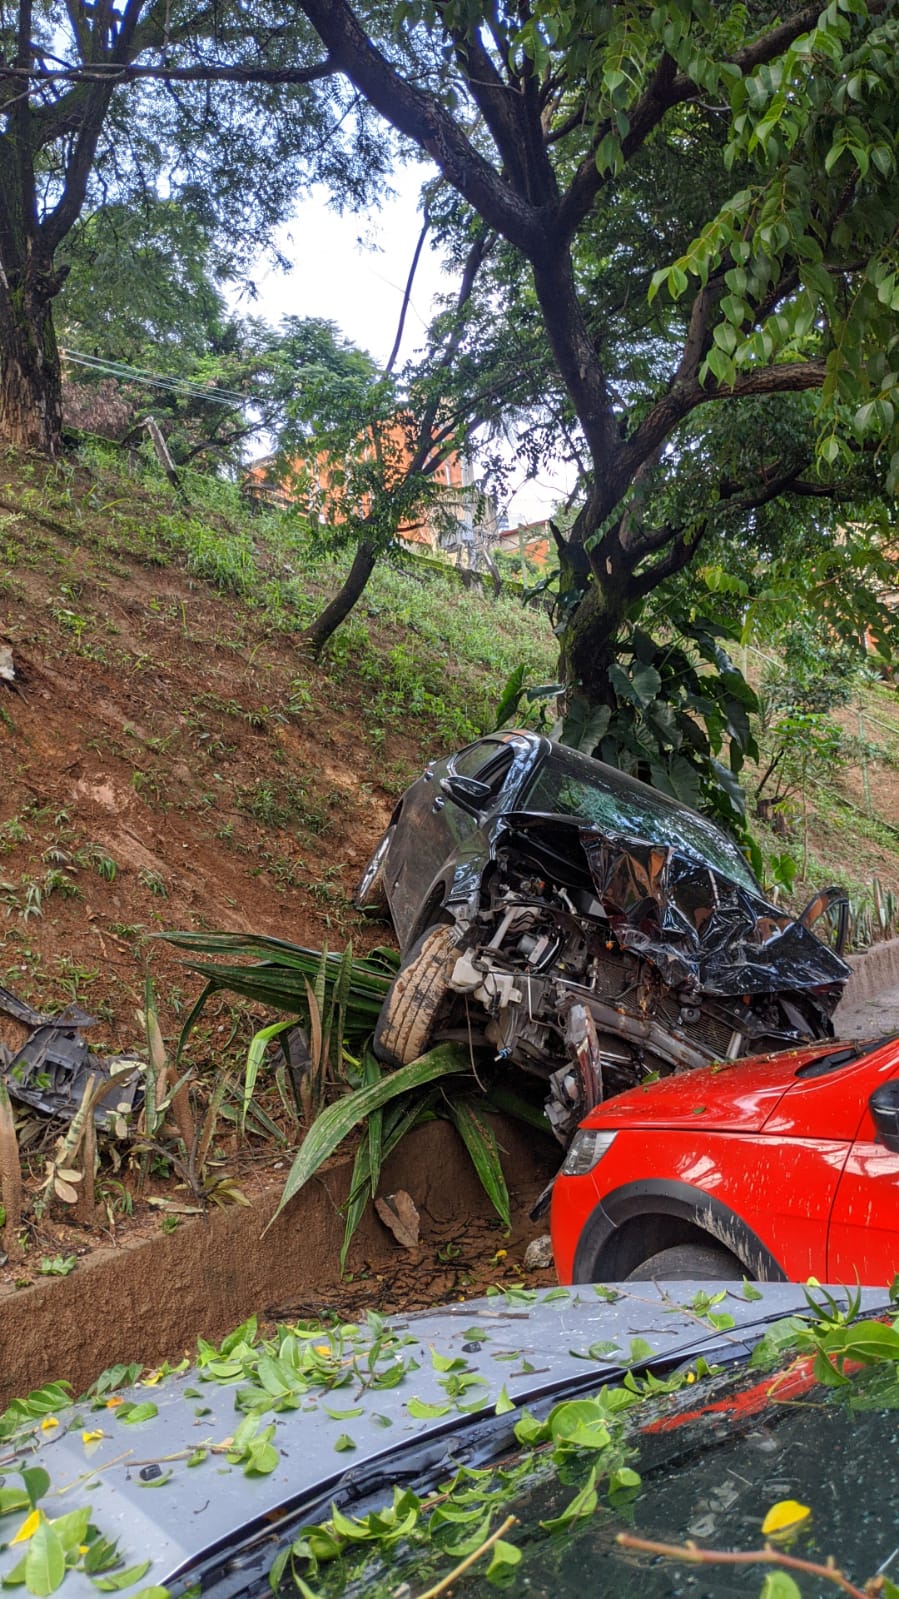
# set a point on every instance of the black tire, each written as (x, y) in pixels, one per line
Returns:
(370, 893)
(689, 1263)
(409, 1013)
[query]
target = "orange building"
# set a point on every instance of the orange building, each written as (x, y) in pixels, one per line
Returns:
(458, 521)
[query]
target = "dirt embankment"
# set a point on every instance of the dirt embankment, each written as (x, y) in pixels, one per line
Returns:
(169, 759)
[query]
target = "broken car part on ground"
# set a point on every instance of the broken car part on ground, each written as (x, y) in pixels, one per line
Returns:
(586, 927)
(54, 1067)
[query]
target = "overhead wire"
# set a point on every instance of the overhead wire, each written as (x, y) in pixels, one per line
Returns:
(126, 373)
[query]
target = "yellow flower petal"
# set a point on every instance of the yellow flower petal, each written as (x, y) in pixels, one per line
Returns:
(49, 1422)
(323, 1349)
(93, 1437)
(151, 1379)
(115, 1400)
(29, 1527)
(784, 1518)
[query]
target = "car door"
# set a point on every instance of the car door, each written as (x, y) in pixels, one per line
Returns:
(863, 1242)
(433, 829)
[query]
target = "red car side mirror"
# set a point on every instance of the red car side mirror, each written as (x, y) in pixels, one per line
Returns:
(884, 1107)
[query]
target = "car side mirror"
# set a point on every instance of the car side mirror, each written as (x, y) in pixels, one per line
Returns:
(466, 792)
(884, 1107)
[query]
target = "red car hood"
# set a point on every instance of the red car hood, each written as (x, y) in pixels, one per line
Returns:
(736, 1095)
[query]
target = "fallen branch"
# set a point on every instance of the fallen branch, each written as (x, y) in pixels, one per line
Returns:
(767, 1555)
(450, 1578)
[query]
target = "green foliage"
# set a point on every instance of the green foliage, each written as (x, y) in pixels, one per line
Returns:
(340, 998)
(57, 1265)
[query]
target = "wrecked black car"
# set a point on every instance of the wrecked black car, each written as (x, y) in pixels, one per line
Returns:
(586, 927)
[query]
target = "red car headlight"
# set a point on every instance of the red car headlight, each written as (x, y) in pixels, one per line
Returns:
(586, 1148)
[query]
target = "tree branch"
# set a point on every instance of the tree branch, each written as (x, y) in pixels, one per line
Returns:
(666, 90)
(216, 72)
(788, 377)
(424, 120)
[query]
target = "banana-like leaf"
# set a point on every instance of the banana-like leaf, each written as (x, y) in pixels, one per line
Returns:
(510, 1103)
(359, 1187)
(339, 1001)
(371, 1073)
(480, 1141)
(379, 964)
(398, 1120)
(338, 1120)
(284, 987)
(255, 1056)
(319, 990)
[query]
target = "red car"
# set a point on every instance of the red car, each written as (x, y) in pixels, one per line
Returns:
(776, 1167)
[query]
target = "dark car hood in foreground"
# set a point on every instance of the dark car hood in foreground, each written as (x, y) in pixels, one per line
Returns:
(700, 929)
(190, 1519)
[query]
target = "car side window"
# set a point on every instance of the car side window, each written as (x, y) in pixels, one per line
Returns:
(488, 761)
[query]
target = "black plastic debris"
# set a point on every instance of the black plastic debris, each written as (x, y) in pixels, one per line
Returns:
(52, 1070)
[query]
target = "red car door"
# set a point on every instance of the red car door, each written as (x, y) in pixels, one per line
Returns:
(863, 1242)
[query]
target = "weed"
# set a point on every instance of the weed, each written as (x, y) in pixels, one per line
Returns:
(95, 856)
(148, 786)
(12, 833)
(263, 804)
(70, 621)
(57, 1266)
(73, 977)
(328, 889)
(58, 881)
(153, 881)
(116, 1197)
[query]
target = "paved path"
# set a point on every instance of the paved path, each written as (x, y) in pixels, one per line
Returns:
(876, 1016)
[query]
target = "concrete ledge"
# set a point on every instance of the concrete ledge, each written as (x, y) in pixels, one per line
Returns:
(149, 1300)
(872, 971)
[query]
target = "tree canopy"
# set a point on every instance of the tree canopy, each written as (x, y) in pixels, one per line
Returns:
(694, 212)
(232, 104)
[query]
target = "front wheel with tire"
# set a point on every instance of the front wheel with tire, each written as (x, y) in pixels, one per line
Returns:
(415, 999)
(370, 893)
(689, 1263)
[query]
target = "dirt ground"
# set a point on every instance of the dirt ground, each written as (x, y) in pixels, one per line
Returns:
(168, 764)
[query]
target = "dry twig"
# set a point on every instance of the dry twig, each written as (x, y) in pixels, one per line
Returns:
(767, 1555)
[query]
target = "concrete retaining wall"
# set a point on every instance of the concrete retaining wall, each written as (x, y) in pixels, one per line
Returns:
(876, 969)
(149, 1300)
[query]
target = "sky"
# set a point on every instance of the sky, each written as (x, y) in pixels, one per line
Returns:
(352, 270)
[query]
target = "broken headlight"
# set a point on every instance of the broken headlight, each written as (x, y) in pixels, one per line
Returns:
(585, 1150)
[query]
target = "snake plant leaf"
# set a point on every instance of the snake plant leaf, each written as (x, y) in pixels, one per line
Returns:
(338, 1120)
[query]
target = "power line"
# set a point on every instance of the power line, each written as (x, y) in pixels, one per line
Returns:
(126, 373)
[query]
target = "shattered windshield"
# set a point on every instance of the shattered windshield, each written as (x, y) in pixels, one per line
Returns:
(574, 786)
(713, 1480)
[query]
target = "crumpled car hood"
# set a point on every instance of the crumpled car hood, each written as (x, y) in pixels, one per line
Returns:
(699, 927)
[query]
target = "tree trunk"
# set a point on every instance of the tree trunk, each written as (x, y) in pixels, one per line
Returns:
(30, 383)
(317, 634)
(587, 643)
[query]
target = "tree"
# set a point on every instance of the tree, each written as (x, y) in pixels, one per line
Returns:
(379, 440)
(569, 130)
(97, 99)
